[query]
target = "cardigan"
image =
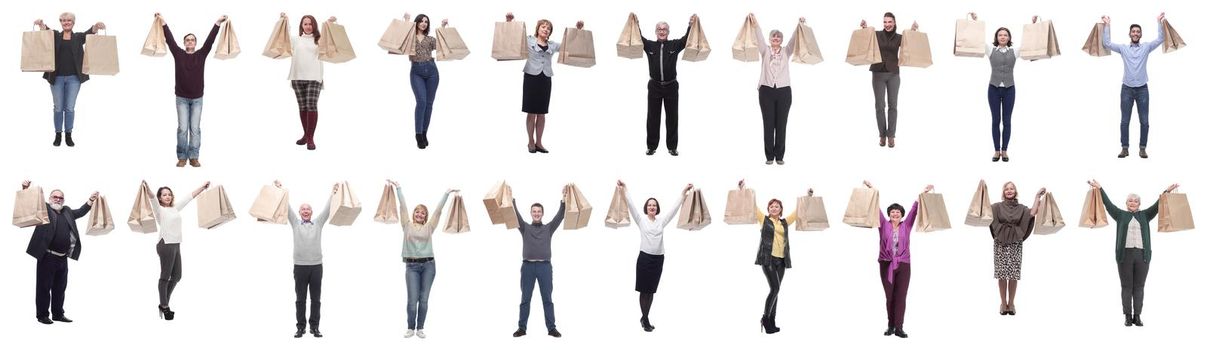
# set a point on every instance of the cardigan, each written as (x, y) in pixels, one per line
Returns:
(77, 53)
(1122, 219)
(775, 75)
(886, 240)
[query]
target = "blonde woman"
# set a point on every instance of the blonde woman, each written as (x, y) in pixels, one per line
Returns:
(417, 253)
(68, 73)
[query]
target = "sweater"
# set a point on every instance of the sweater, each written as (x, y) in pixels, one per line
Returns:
(168, 219)
(308, 237)
(417, 238)
(190, 67)
(1122, 219)
(305, 64)
(538, 236)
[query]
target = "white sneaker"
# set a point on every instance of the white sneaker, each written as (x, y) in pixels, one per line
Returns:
(420, 334)
(410, 333)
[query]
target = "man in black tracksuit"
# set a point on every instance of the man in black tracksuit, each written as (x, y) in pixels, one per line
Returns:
(663, 54)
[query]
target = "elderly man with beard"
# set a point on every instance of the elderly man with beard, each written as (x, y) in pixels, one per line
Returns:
(52, 244)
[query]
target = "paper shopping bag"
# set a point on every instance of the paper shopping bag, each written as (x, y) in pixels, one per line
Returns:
(272, 205)
(228, 43)
(37, 51)
(811, 214)
(746, 45)
(915, 49)
(694, 215)
(334, 46)
(142, 215)
(100, 55)
(1173, 40)
(805, 49)
(387, 207)
(630, 45)
(578, 48)
(696, 48)
(1173, 211)
(970, 38)
(864, 49)
(458, 221)
(1093, 44)
(863, 209)
(932, 213)
(1049, 220)
(618, 211)
(1039, 41)
(578, 211)
(156, 44)
(739, 207)
(100, 220)
(399, 37)
(510, 41)
(214, 208)
(279, 45)
(345, 206)
(1093, 211)
(29, 209)
(980, 211)
(449, 45)
(500, 206)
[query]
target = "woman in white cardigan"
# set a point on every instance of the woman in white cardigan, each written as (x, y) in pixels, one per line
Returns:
(651, 222)
(167, 218)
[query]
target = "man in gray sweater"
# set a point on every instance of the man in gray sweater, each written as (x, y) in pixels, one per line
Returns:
(536, 267)
(308, 262)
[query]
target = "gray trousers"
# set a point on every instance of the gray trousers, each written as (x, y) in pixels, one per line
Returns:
(169, 269)
(882, 84)
(1132, 273)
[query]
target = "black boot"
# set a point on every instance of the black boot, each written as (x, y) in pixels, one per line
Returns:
(58, 139)
(890, 330)
(68, 140)
(1127, 321)
(425, 143)
(419, 141)
(1136, 321)
(301, 331)
(900, 333)
(771, 324)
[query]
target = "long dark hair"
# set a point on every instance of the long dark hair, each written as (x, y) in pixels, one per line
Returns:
(420, 18)
(313, 22)
(1009, 42)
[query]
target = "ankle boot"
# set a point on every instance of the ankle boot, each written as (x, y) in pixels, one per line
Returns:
(58, 139)
(313, 121)
(425, 143)
(67, 139)
(419, 141)
(304, 116)
(771, 324)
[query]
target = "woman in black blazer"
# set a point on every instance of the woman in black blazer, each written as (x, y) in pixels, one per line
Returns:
(68, 73)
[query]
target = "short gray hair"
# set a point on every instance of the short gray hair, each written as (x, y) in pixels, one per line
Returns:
(1130, 196)
(777, 32)
(662, 24)
(67, 15)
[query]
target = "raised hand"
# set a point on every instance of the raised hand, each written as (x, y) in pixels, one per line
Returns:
(25, 184)
(579, 25)
(509, 17)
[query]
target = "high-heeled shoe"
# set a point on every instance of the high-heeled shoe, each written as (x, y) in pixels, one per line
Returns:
(166, 313)
(645, 325)
(764, 326)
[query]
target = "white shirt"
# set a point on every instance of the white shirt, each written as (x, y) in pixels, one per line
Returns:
(1135, 239)
(651, 231)
(305, 64)
(168, 219)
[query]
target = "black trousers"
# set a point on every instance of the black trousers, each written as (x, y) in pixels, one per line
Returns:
(775, 103)
(51, 284)
(659, 96)
(308, 278)
(1133, 271)
(775, 275)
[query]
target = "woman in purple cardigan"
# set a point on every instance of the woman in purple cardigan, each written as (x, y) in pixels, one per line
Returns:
(894, 261)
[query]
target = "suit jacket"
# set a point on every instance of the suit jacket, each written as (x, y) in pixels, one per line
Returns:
(43, 234)
(77, 54)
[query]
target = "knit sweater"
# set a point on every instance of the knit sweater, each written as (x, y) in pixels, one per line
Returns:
(1122, 219)
(538, 236)
(308, 237)
(417, 238)
(190, 67)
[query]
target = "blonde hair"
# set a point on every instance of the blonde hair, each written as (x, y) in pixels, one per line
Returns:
(1009, 183)
(425, 211)
(537, 32)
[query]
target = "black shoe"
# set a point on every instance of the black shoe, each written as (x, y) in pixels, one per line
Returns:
(58, 139)
(900, 333)
(315, 332)
(531, 149)
(425, 143)
(1123, 154)
(61, 318)
(674, 153)
(68, 141)
(649, 152)
(997, 156)
(166, 313)
(1128, 321)
(1135, 321)
(771, 324)
(44, 320)
(541, 149)
(890, 331)
(300, 333)
(554, 333)
(519, 333)
(1143, 154)
(419, 141)
(645, 325)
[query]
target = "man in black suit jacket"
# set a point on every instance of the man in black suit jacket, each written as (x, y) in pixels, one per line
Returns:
(52, 244)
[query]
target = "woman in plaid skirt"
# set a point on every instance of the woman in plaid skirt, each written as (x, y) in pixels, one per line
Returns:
(306, 75)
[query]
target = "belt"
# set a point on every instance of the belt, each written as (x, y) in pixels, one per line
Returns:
(56, 253)
(665, 83)
(536, 261)
(417, 260)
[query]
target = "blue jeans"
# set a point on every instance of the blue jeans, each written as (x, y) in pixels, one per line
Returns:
(188, 127)
(533, 272)
(419, 286)
(424, 79)
(1001, 105)
(1139, 96)
(65, 89)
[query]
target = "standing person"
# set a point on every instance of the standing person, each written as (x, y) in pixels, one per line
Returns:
(1002, 57)
(420, 260)
(775, 94)
(1012, 224)
(308, 262)
(894, 261)
(1135, 78)
(190, 86)
(663, 87)
(424, 76)
(538, 80)
(68, 73)
(651, 257)
(774, 254)
(1133, 249)
(52, 243)
(537, 268)
(306, 75)
(886, 78)
(167, 217)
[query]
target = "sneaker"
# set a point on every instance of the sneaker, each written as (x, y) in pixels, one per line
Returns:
(779, 162)
(409, 333)
(769, 162)
(419, 333)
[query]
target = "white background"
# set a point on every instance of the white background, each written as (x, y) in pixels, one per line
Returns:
(238, 288)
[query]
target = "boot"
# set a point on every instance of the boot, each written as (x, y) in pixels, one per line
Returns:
(424, 134)
(313, 121)
(305, 125)
(58, 139)
(68, 140)
(419, 141)
(771, 324)
(1136, 320)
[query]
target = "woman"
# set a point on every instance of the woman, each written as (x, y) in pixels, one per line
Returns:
(417, 253)
(538, 81)
(167, 217)
(1133, 250)
(1012, 224)
(773, 254)
(68, 73)
(306, 75)
(190, 84)
(424, 76)
(1002, 57)
(775, 96)
(650, 259)
(894, 261)
(886, 78)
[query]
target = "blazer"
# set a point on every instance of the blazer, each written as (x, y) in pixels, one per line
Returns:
(77, 53)
(540, 61)
(40, 241)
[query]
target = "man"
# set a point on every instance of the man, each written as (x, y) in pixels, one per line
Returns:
(308, 262)
(1135, 78)
(52, 244)
(536, 267)
(663, 87)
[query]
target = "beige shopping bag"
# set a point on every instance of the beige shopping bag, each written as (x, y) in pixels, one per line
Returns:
(387, 207)
(970, 38)
(272, 205)
(811, 214)
(278, 45)
(100, 55)
(156, 44)
(345, 206)
(578, 211)
(37, 51)
(864, 49)
(746, 45)
(449, 45)
(932, 213)
(29, 209)
(334, 46)
(399, 37)
(100, 220)
(500, 206)
(980, 210)
(228, 43)
(739, 207)
(1039, 41)
(458, 220)
(915, 49)
(1093, 211)
(142, 215)
(805, 49)
(510, 41)
(863, 209)
(1093, 44)
(214, 208)
(694, 215)
(696, 49)
(1049, 220)
(1173, 211)
(1173, 40)
(630, 44)
(618, 211)
(578, 48)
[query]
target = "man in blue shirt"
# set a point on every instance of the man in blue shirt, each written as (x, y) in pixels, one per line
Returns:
(1135, 78)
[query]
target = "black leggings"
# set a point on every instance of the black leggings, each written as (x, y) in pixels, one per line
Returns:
(775, 274)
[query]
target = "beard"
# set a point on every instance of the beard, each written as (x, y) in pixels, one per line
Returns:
(56, 206)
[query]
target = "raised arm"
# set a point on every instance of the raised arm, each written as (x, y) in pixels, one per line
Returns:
(1038, 198)
(1106, 201)
(634, 211)
(1106, 36)
(168, 38)
(209, 40)
(84, 209)
(792, 42)
(321, 219)
(758, 34)
(1153, 45)
(519, 218)
(404, 217)
(557, 218)
(678, 203)
(1153, 210)
(434, 218)
(180, 204)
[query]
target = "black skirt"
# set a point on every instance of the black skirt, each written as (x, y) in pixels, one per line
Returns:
(537, 89)
(649, 272)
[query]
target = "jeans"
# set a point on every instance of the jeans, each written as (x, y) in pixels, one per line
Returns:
(534, 272)
(308, 278)
(1139, 97)
(658, 96)
(424, 79)
(774, 103)
(1133, 271)
(886, 83)
(188, 127)
(51, 284)
(419, 287)
(64, 90)
(1001, 104)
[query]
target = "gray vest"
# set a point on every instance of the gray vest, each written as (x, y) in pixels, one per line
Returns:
(1002, 65)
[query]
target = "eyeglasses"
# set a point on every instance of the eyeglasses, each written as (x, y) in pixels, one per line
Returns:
(56, 197)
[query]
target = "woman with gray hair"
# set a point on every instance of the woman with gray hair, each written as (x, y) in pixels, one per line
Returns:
(1133, 249)
(775, 94)
(68, 73)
